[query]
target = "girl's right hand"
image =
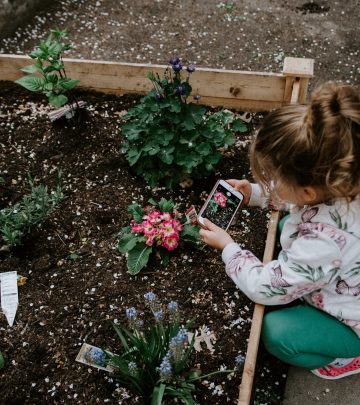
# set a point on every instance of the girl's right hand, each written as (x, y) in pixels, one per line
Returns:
(243, 186)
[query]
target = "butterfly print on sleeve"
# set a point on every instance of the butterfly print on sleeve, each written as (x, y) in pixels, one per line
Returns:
(309, 214)
(343, 287)
(276, 279)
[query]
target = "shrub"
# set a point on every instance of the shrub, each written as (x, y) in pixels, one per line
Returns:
(154, 359)
(154, 230)
(32, 209)
(167, 139)
(47, 75)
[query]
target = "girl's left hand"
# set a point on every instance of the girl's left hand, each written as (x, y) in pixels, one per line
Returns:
(214, 236)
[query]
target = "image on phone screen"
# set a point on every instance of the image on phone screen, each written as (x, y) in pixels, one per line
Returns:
(222, 207)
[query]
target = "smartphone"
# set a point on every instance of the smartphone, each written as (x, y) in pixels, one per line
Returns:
(221, 206)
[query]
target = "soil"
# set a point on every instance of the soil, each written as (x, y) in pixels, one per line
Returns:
(65, 301)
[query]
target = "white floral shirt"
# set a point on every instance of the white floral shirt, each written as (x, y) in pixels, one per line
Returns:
(319, 261)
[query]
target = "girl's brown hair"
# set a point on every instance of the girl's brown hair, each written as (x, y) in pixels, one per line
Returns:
(312, 145)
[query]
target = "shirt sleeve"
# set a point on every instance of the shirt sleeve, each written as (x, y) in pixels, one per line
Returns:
(309, 264)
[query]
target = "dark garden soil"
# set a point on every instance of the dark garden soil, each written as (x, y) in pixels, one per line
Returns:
(66, 302)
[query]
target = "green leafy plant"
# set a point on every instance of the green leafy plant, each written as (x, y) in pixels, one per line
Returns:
(47, 75)
(32, 209)
(167, 139)
(155, 357)
(155, 228)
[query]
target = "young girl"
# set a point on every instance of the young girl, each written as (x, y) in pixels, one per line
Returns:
(308, 156)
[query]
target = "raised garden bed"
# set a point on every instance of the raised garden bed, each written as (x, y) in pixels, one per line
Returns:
(71, 299)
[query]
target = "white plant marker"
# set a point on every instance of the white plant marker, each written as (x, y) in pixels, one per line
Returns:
(9, 295)
(204, 336)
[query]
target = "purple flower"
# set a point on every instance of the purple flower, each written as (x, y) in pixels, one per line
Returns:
(158, 315)
(132, 368)
(180, 89)
(239, 360)
(165, 369)
(174, 60)
(177, 67)
(197, 97)
(173, 306)
(150, 296)
(131, 313)
(158, 96)
(191, 68)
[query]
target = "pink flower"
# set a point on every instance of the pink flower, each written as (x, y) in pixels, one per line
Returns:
(171, 242)
(165, 216)
(177, 225)
(318, 299)
(220, 199)
(148, 228)
(167, 229)
(154, 217)
(149, 239)
(135, 227)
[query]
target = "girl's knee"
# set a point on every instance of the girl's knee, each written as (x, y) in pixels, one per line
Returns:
(275, 333)
(269, 331)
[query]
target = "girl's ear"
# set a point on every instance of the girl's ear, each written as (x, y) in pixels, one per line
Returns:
(311, 194)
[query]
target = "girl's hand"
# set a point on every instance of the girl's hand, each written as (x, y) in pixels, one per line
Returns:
(243, 186)
(214, 236)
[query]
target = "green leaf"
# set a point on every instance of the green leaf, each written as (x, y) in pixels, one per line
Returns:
(52, 77)
(133, 156)
(127, 242)
(58, 100)
(204, 148)
(54, 48)
(37, 53)
(158, 394)
(31, 82)
(29, 69)
(165, 258)
(48, 86)
(166, 205)
(131, 131)
(138, 258)
(67, 84)
(137, 212)
(239, 126)
(165, 155)
(229, 138)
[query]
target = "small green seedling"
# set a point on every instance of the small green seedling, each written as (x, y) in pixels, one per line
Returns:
(47, 75)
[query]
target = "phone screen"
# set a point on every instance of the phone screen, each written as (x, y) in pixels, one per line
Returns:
(222, 207)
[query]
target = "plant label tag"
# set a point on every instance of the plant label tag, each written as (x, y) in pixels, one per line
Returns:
(191, 215)
(68, 111)
(9, 295)
(93, 356)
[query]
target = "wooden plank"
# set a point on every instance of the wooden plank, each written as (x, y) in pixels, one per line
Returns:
(298, 67)
(229, 86)
(247, 378)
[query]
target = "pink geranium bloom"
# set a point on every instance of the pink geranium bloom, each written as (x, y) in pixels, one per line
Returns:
(171, 242)
(154, 217)
(135, 227)
(165, 216)
(149, 239)
(148, 228)
(220, 199)
(177, 225)
(167, 229)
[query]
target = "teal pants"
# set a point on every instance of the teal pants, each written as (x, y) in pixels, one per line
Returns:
(307, 337)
